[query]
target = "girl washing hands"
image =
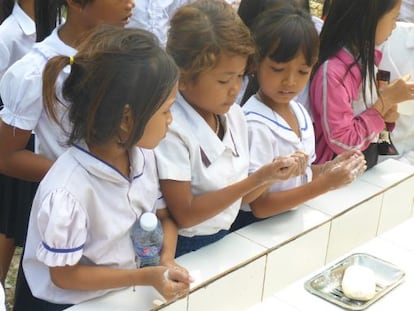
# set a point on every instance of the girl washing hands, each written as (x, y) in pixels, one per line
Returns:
(121, 86)
(287, 44)
(203, 161)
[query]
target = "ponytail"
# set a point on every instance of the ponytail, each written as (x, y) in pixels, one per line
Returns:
(50, 75)
(6, 8)
(47, 14)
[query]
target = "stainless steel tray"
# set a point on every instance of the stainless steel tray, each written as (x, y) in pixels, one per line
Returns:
(327, 284)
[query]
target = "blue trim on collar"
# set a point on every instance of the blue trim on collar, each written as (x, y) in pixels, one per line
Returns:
(143, 166)
(110, 165)
(62, 250)
(277, 123)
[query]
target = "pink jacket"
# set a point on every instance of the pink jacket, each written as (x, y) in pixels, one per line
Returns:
(334, 95)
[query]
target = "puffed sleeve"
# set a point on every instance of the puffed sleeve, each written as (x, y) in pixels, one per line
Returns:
(20, 91)
(4, 57)
(62, 224)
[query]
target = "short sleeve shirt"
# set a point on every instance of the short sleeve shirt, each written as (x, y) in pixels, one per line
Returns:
(191, 151)
(82, 213)
(270, 136)
(21, 92)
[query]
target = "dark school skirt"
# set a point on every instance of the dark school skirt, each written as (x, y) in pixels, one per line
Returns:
(186, 245)
(243, 219)
(16, 198)
(25, 301)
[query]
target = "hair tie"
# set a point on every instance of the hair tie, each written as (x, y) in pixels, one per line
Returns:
(71, 60)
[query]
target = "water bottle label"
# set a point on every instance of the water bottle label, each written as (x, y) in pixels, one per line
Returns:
(148, 251)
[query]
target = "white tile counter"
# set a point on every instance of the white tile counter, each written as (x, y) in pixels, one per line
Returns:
(394, 246)
(264, 261)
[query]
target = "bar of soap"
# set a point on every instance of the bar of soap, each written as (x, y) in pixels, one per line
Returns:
(358, 283)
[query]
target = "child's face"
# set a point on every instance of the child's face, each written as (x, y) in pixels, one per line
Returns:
(214, 91)
(157, 126)
(386, 24)
(112, 12)
(281, 82)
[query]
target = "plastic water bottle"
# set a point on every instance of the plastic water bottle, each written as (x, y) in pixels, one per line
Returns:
(147, 237)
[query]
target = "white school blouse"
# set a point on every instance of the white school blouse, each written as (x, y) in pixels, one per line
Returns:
(191, 151)
(270, 136)
(82, 213)
(17, 36)
(21, 92)
(155, 15)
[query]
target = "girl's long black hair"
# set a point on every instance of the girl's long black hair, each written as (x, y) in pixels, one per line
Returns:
(352, 24)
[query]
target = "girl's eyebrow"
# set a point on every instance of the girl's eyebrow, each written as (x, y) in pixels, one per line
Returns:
(232, 72)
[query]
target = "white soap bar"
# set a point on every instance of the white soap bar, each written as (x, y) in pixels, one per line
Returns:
(359, 283)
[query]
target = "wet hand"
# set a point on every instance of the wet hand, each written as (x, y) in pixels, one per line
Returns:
(344, 169)
(171, 283)
(301, 159)
(398, 91)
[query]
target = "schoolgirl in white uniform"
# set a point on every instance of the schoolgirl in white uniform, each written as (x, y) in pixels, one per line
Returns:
(17, 36)
(398, 59)
(278, 125)
(203, 162)
(270, 136)
(21, 92)
(193, 152)
(78, 245)
(97, 207)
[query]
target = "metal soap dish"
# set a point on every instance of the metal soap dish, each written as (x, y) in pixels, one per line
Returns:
(327, 284)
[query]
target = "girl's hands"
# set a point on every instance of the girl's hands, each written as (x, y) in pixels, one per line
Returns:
(301, 160)
(171, 283)
(174, 266)
(398, 91)
(392, 114)
(281, 168)
(343, 169)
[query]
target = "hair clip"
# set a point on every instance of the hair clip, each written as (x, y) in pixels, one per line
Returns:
(71, 60)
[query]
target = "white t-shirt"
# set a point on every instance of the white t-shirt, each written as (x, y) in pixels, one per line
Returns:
(270, 136)
(82, 213)
(17, 36)
(398, 59)
(191, 151)
(21, 92)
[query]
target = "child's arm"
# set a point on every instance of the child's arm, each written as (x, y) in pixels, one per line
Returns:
(170, 236)
(15, 160)
(189, 210)
(335, 174)
(170, 240)
(291, 166)
(168, 282)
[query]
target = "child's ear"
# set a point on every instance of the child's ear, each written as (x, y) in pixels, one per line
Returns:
(127, 121)
(76, 4)
(182, 84)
